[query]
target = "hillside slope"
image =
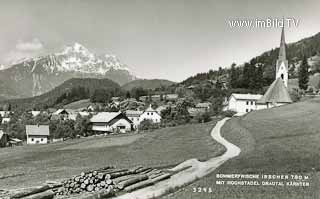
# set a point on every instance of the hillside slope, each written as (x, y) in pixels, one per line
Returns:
(283, 140)
(147, 84)
(49, 99)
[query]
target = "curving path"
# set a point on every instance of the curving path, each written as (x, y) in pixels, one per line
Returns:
(187, 176)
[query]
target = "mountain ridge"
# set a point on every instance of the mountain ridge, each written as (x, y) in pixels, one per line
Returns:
(35, 76)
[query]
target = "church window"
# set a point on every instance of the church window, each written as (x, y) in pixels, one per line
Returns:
(282, 76)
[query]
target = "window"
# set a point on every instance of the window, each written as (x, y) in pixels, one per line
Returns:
(41, 139)
(247, 102)
(251, 102)
(247, 110)
(282, 76)
(32, 139)
(147, 113)
(151, 113)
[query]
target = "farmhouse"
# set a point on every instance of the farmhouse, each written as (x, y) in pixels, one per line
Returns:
(134, 116)
(243, 103)
(37, 134)
(107, 122)
(150, 114)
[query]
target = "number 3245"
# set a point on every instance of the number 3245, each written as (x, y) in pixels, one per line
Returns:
(202, 190)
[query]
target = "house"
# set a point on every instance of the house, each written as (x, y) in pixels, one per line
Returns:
(4, 139)
(151, 114)
(193, 112)
(60, 114)
(35, 113)
(204, 105)
(5, 113)
(73, 116)
(37, 134)
(242, 103)
(6, 120)
(107, 122)
(134, 116)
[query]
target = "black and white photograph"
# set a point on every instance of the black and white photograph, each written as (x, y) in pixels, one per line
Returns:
(159, 99)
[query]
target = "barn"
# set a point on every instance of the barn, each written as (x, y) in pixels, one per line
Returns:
(108, 122)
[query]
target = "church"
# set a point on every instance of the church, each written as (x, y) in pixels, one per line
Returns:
(277, 93)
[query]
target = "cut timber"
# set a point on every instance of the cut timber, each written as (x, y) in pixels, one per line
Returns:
(146, 183)
(30, 191)
(122, 178)
(118, 174)
(43, 195)
(98, 195)
(131, 181)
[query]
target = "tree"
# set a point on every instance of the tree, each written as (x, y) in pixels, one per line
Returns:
(303, 77)
(233, 76)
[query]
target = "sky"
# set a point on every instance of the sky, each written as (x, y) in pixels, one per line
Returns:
(169, 39)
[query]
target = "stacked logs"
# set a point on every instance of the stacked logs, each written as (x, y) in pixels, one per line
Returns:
(111, 180)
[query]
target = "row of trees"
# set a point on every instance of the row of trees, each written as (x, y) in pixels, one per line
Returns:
(58, 128)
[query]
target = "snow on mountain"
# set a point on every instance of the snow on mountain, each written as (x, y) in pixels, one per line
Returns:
(80, 59)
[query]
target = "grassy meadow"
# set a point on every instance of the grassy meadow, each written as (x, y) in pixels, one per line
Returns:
(32, 165)
(283, 140)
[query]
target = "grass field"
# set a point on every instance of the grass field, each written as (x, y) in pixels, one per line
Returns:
(284, 140)
(32, 165)
(81, 104)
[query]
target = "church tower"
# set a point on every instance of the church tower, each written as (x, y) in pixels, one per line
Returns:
(282, 62)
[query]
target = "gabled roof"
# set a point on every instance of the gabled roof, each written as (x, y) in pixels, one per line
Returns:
(246, 96)
(60, 111)
(276, 93)
(150, 109)
(37, 130)
(104, 117)
(132, 113)
(203, 105)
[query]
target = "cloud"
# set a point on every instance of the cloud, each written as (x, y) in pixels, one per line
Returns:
(24, 50)
(33, 45)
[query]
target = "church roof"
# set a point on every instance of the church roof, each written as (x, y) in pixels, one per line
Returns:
(282, 49)
(276, 93)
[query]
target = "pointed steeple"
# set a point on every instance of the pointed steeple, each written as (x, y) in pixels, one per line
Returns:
(282, 62)
(282, 49)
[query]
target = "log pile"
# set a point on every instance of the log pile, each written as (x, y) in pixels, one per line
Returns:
(110, 180)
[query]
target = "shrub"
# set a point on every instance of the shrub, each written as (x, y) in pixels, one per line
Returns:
(228, 113)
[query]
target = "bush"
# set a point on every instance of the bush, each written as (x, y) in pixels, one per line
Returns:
(228, 113)
(148, 125)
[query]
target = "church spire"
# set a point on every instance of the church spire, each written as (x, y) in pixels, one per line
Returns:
(282, 62)
(282, 49)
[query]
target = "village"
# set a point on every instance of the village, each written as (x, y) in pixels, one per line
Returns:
(131, 115)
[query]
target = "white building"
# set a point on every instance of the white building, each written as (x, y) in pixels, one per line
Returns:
(276, 95)
(242, 103)
(134, 116)
(37, 134)
(150, 114)
(108, 122)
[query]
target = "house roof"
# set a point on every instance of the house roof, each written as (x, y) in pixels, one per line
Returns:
(37, 130)
(276, 93)
(203, 105)
(246, 96)
(133, 113)
(150, 109)
(104, 117)
(59, 111)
